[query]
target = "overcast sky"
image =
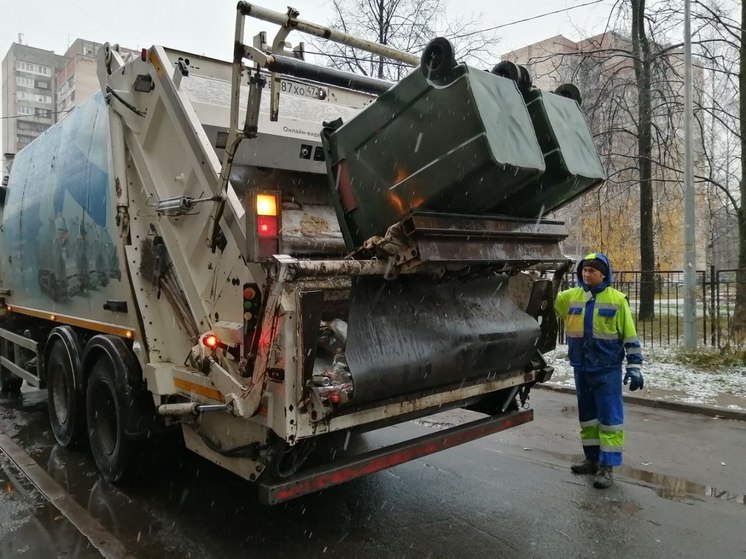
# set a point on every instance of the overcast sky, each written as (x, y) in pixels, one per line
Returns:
(207, 27)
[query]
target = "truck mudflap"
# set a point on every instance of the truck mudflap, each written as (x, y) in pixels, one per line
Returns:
(316, 479)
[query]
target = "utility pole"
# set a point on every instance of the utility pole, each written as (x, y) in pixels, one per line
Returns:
(690, 268)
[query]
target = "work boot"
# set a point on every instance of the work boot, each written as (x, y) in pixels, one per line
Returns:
(604, 478)
(587, 467)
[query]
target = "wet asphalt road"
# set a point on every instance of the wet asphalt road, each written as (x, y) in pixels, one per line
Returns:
(508, 495)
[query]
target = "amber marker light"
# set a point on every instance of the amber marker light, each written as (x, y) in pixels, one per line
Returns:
(266, 204)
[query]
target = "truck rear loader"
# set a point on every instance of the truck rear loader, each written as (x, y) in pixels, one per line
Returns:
(266, 254)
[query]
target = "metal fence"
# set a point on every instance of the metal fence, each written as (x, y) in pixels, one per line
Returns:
(714, 306)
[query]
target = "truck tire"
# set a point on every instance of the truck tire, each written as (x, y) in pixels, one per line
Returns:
(65, 396)
(112, 451)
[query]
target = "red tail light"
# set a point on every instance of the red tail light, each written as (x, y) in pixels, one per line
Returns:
(266, 223)
(210, 341)
(266, 226)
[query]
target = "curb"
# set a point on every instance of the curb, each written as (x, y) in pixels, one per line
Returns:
(710, 411)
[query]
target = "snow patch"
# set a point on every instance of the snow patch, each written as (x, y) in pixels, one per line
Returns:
(682, 383)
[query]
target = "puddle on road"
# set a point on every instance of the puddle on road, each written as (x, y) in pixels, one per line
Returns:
(668, 487)
(679, 489)
(32, 527)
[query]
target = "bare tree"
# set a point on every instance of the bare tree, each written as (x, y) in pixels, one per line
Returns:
(642, 62)
(632, 88)
(719, 113)
(407, 25)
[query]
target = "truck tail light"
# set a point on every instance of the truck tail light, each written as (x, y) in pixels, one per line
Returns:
(265, 223)
(266, 226)
(210, 341)
(266, 205)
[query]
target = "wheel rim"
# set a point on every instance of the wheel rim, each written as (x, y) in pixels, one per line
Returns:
(60, 394)
(106, 419)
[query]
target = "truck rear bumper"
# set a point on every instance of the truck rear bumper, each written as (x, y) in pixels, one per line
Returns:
(320, 478)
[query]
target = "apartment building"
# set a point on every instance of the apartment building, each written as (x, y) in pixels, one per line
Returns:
(28, 96)
(77, 80)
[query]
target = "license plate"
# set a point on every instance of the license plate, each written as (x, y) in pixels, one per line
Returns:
(303, 90)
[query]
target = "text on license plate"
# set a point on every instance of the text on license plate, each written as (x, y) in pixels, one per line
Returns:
(303, 90)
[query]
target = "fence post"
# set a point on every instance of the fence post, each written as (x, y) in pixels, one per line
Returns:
(713, 315)
(704, 308)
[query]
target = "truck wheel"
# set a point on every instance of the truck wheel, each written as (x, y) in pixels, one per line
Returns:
(112, 451)
(65, 399)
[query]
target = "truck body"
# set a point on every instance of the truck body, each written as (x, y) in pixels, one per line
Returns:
(265, 283)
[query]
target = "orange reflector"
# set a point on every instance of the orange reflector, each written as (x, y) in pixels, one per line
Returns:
(266, 204)
(266, 226)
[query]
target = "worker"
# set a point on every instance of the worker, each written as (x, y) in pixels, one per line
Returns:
(600, 331)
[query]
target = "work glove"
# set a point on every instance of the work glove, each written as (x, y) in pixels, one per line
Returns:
(634, 377)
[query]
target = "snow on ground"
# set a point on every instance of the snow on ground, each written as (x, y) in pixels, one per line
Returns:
(682, 383)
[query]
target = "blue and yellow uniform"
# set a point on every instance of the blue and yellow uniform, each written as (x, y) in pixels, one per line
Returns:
(600, 332)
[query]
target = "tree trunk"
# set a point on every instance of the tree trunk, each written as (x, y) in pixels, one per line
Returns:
(739, 315)
(641, 51)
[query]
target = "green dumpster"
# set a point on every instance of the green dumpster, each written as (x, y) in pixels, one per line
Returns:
(459, 145)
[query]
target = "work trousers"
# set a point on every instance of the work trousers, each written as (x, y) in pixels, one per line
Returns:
(601, 414)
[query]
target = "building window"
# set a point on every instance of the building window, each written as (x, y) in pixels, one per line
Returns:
(38, 97)
(24, 82)
(33, 68)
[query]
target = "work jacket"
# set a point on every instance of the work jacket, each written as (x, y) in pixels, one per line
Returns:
(599, 327)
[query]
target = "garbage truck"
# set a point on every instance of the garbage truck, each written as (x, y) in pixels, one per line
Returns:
(264, 254)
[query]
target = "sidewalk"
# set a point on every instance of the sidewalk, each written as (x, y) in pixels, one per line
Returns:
(665, 400)
(669, 384)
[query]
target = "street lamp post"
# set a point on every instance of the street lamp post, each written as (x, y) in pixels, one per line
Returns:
(690, 269)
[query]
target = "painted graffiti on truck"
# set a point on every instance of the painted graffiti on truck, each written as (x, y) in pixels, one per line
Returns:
(73, 264)
(61, 246)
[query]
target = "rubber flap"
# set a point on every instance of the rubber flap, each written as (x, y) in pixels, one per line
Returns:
(420, 332)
